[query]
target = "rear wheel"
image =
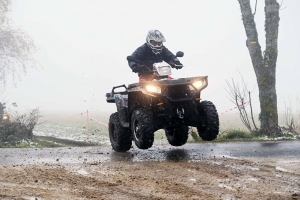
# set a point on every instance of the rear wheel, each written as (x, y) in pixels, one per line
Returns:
(142, 129)
(119, 136)
(209, 130)
(177, 136)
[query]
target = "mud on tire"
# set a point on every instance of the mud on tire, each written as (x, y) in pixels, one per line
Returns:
(209, 130)
(142, 128)
(120, 137)
(177, 136)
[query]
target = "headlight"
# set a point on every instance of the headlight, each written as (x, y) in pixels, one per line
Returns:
(198, 84)
(5, 117)
(152, 88)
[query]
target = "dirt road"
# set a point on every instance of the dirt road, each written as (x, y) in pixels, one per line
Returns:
(163, 172)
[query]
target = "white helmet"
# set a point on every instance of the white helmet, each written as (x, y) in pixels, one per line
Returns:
(154, 40)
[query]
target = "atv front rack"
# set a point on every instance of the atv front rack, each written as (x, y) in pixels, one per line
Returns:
(110, 96)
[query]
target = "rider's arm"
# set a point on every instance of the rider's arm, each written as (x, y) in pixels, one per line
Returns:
(170, 58)
(167, 55)
(139, 54)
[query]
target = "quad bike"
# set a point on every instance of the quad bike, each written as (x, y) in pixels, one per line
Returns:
(162, 103)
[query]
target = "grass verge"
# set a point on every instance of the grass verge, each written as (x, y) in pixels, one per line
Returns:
(233, 135)
(38, 143)
(44, 142)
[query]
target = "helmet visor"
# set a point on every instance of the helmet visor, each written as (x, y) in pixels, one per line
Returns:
(155, 44)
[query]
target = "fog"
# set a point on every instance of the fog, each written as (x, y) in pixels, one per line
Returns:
(82, 49)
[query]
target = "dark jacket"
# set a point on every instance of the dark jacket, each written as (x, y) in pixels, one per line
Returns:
(144, 54)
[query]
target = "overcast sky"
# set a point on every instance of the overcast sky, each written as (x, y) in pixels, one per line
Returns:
(83, 44)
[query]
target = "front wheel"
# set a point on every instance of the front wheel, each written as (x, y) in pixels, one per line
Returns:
(177, 136)
(142, 129)
(209, 129)
(119, 136)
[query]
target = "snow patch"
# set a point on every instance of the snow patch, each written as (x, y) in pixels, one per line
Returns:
(82, 172)
(281, 169)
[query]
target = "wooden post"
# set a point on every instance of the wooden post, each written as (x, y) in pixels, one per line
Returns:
(88, 124)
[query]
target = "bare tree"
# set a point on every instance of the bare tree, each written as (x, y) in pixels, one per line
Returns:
(241, 97)
(16, 48)
(264, 63)
(291, 120)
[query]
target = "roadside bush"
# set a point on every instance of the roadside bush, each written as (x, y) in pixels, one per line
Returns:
(18, 128)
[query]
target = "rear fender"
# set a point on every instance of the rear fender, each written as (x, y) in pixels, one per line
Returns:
(121, 101)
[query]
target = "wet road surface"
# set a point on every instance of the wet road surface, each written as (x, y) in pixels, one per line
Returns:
(188, 152)
(252, 170)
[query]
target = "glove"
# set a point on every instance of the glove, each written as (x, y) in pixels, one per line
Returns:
(176, 64)
(136, 69)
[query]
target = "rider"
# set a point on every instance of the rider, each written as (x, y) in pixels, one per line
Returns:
(151, 52)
